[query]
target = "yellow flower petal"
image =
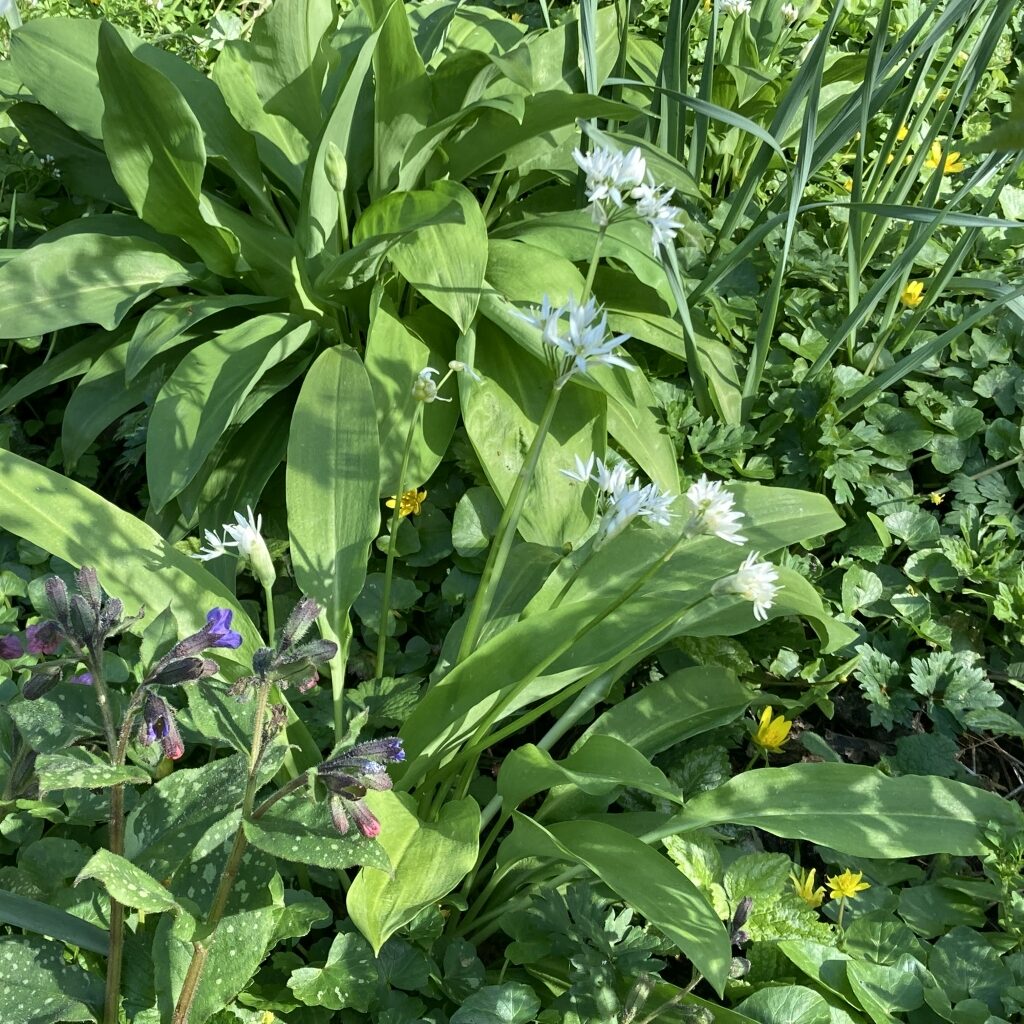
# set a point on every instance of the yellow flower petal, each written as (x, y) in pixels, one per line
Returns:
(411, 503)
(803, 885)
(771, 733)
(847, 885)
(913, 295)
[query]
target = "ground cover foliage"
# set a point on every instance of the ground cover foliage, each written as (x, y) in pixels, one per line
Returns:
(491, 704)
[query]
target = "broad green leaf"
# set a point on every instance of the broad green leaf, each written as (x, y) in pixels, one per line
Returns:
(786, 1004)
(37, 986)
(333, 479)
(156, 151)
(164, 325)
(856, 810)
(510, 1003)
(301, 831)
(670, 710)
(70, 362)
(202, 396)
(78, 769)
(134, 562)
(348, 980)
(192, 809)
(128, 884)
(81, 279)
(100, 398)
(385, 221)
(446, 262)
(243, 937)
(402, 92)
(600, 765)
(428, 860)
(396, 351)
(648, 882)
(34, 916)
(500, 415)
(319, 209)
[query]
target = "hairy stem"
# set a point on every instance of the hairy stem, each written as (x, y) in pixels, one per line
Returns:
(201, 948)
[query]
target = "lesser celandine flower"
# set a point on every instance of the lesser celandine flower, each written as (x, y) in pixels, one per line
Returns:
(579, 335)
(913, 295)
(847, 885)
(949, 162)
(902, 132)
(803, 885)
(410, 504)
(754, 581)
(712, 511)
(771, 732)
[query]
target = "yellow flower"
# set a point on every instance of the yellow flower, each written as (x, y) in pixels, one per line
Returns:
(949, 162)
(846, 886)
(902, 132)
(937, 497)
(411, 503)
(803, 883)
(771, 733)
(913, 295)
(848, 184)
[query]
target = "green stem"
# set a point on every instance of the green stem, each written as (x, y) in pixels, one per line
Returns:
(201, 948)
(594, 259)
(506, 532)
(396, 522)
(268, 596)
(112, 995)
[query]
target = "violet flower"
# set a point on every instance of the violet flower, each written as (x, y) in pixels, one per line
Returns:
(352, 774)
(218, 628)
(158, 724)
(11, 647)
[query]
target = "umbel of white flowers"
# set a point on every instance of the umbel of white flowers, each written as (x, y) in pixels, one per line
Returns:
(579, 335)
(244, 536)
(754, 581)
(713, 511)
(620, 182)
(620, 499)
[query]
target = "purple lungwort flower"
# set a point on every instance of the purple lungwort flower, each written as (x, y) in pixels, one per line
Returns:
(218, 626)
(11, 647)
(82, 679)
(43, 638)
(158, 724)
(349, 776)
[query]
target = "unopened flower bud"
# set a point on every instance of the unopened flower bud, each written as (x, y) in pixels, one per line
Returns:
(88, 584)
(424, 388)
(41, 682)
(57, 595)
(739, 967)
(158, 724)
(336, 167)
(186, 670)
(300, 621)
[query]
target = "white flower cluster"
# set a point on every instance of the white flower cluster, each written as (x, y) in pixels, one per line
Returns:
(790, 13)
(244, 535)
(755, 581)
(736, 7)
(713, 511)
(620, 498)
(579, 335)
(618, 182)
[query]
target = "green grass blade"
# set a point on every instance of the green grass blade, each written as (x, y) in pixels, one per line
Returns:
(41, 918)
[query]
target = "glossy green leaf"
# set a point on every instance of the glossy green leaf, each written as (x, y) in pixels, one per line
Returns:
(156, 151)
(856, 810)
(348, 980)
(127, 883)
(446, 262)
(428, 860)
(202, 396)
(396, 351)
(599, 766)
(500, 415)
(670, 710)
(647, 881)
(164, 325)
(34, 916)
(333, 479)
(99, 400)
(81, 279)
(73, 361)
(786, 1004)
